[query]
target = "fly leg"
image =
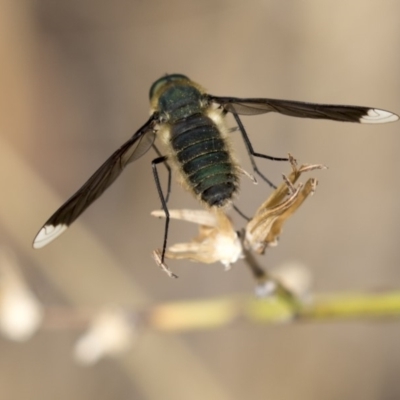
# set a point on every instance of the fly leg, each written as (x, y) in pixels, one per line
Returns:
(253, 154)
(244, 216)
(154, 163)
(169, 172)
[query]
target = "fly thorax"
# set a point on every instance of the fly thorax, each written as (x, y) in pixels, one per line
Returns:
(180, 102)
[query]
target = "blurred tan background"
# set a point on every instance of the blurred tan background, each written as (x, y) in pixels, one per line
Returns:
(74, 78)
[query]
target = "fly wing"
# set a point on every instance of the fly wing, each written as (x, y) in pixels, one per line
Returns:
(134, 148)
(366, 115)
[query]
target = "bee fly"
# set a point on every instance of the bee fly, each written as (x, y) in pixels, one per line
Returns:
(191, 125)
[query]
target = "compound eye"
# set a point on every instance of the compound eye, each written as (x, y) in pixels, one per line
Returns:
(158, 84)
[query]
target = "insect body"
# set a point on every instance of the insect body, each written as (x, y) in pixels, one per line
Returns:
(191, 125)
(197, 144)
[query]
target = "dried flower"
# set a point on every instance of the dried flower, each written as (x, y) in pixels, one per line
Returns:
(217, 239)
(264, 228)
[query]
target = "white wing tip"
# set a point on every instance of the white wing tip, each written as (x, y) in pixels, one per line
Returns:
(377, 116)
(47, 234)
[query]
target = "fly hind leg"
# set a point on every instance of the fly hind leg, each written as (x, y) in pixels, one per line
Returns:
(253, 154)
(169, 171)
(154, 163)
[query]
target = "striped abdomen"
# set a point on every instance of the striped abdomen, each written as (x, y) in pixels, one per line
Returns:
(204, 158)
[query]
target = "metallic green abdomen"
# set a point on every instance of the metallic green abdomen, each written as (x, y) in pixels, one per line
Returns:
(205, 160)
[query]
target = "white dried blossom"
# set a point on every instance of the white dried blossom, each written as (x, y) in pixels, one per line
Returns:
(217, 240)
(110, 333)
(21, 313)
(295, 277)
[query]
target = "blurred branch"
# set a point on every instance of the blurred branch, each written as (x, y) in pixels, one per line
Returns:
(111, 330)
(219, 312)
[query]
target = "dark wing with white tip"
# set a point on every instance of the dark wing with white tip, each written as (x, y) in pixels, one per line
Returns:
(134, 148)
(301, 109)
